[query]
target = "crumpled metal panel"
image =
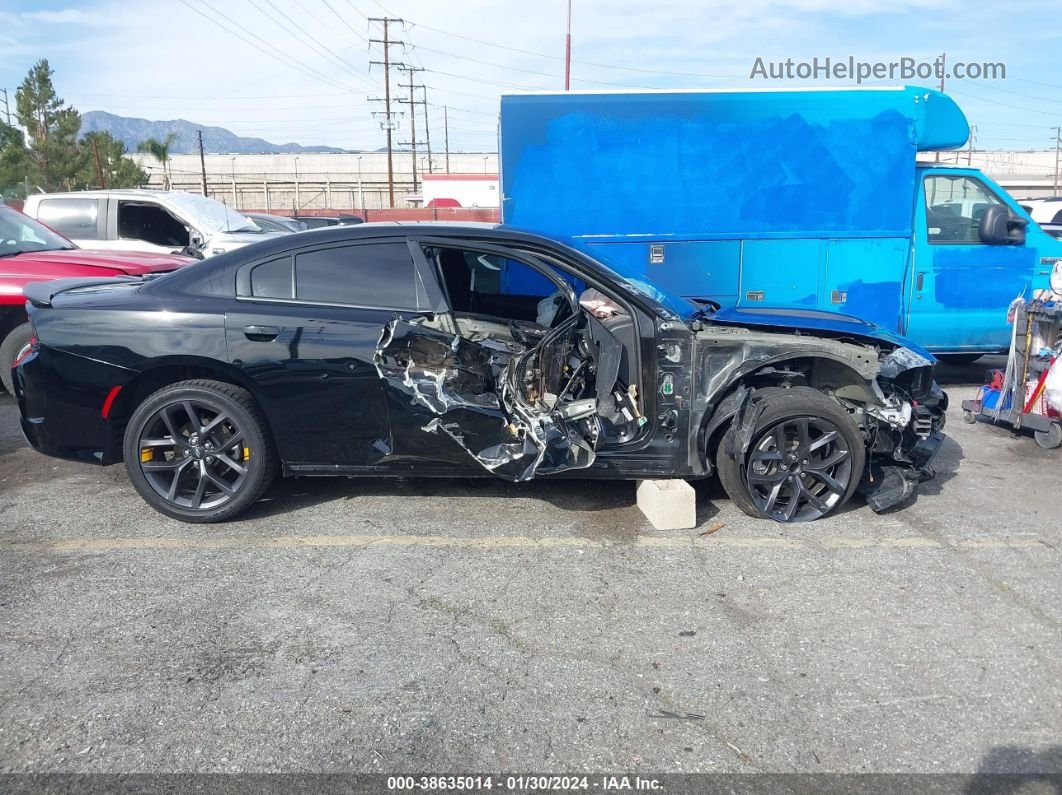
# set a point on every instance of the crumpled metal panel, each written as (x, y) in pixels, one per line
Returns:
(469, 392)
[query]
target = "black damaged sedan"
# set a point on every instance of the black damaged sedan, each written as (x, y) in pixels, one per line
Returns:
(457, 350)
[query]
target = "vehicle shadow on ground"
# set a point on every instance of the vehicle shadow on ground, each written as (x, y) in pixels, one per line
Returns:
(610, 506)
(946, 464)
(10, 440)
(1012, 769)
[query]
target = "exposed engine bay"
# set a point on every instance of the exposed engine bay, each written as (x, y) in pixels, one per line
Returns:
(520, 398)
(889, 393)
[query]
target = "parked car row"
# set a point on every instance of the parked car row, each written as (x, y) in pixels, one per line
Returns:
(163, 221)
(31, 252)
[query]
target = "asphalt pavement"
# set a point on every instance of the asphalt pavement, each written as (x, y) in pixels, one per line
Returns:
(468, 625)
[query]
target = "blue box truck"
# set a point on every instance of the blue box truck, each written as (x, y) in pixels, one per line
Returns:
(813, 198)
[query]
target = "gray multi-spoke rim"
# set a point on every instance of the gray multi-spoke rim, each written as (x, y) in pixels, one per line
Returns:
(799, 469)
(194, 455)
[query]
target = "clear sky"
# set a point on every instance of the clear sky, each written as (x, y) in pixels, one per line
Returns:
(299, 70)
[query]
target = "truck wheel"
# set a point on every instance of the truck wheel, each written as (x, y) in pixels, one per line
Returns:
(199, 451)
(10, 349)
(804, 459)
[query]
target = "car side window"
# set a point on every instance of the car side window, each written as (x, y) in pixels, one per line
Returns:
(73, 218)
(954, 208)
(481, 283)
(369, 275)
(273, 279)
(152, 224)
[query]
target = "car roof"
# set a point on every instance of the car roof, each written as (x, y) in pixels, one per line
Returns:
(127, 192)
(386, 229)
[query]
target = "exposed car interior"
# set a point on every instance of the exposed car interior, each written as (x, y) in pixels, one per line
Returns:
(591, 370)
(152, 224)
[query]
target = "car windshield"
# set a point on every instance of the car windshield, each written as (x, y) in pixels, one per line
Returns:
(209, 214)
(20, 234)
(680, 306)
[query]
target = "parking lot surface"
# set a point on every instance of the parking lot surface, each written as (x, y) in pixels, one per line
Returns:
(472, 625)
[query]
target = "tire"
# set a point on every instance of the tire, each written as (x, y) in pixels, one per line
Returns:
(959, 359)
(805, 457)
(183, 479)
(10, 349)
(1051, 438)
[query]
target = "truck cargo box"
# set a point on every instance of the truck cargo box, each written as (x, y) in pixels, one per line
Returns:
(741, 196)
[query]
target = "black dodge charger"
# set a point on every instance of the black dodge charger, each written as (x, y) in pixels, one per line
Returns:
(437, 349)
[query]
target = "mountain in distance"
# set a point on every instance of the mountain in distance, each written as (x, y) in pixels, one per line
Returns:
(131, 131)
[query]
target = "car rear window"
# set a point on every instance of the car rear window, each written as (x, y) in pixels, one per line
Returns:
(272, 279)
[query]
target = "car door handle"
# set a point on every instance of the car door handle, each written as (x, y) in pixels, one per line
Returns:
(261, 333)
(920, 281)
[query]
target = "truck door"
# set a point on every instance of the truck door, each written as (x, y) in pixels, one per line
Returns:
(958, 288)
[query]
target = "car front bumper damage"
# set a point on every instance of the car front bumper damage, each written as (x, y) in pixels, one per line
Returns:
(904, 432)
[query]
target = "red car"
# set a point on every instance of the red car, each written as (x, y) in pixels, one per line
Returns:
(31, 252)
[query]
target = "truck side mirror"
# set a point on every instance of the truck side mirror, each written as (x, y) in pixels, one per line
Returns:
(1000, 227)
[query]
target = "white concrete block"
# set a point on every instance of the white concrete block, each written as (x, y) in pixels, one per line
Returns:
(668, 504)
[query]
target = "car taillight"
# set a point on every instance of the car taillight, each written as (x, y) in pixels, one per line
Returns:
(26, 352)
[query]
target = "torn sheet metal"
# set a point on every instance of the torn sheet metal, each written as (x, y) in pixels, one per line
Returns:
(901, 360)
(472, 393)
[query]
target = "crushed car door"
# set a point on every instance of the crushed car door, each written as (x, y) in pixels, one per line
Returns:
(539, 401)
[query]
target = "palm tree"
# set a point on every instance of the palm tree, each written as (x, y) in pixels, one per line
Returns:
(160, 150)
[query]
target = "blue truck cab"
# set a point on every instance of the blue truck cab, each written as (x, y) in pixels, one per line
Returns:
(808, 198)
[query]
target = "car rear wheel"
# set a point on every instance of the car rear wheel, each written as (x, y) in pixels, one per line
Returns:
(11, 348)
(199, 451)
(804, 459)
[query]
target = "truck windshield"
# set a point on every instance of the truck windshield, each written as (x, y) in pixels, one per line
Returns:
(20, 234)
(210, 215)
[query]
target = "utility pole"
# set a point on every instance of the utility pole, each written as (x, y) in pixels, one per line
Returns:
(7, 108)
(446, 135)
(202, 162)
(99, 168)
(970, 143)
(943, 64)
(568, 51)
(389, 122)
(1058, 150)
(412, 102)
(427, 128)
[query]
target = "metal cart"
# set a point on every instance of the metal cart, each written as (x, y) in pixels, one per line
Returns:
(1017, 399)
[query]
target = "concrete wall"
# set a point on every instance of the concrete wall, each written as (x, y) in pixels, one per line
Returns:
(309, 181)
(330, 181)
(1026, 174)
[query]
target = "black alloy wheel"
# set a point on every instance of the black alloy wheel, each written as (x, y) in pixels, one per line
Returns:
(199, 451)
(803, 461)
(799, 469)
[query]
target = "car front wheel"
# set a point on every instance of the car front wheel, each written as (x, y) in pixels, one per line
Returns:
(199, 451)
(804, 457)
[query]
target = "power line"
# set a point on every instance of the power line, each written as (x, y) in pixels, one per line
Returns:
(520, 69)
(561, 58)
(1011, 92)
(1004, 104)
(263, 46)
(344, 21)
(319, 48)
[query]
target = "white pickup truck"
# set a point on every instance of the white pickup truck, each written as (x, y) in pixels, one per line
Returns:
(146, 220)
